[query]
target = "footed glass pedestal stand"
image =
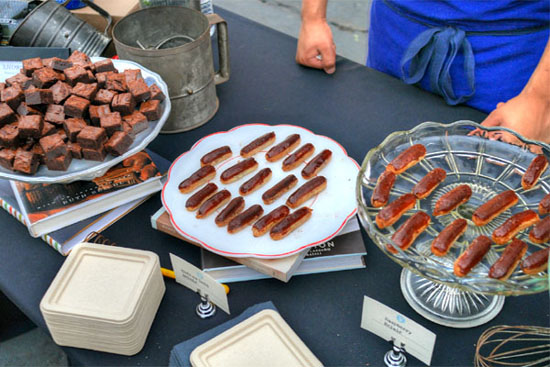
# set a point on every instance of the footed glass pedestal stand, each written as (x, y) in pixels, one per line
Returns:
(447, 305)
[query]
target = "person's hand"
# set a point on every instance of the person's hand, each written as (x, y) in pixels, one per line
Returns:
(316, 40)
(527, 114)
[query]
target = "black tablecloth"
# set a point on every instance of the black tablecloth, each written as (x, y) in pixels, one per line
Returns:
(358, 107)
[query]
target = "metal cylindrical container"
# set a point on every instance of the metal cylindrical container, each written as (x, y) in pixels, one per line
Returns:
(51, 25)
(174, 41)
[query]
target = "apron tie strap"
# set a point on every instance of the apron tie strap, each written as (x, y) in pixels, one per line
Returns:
(434, 51)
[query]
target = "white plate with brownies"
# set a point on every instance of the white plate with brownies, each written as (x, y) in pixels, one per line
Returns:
(66, 120)
(260, 190)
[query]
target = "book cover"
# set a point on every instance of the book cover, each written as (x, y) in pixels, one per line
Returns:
(63, 240)
(281, 269)
(344, 252)
(48, 207)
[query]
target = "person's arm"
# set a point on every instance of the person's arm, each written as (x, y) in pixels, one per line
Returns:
(316, 37)
(529, 112)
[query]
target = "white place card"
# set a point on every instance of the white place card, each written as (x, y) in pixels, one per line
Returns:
(390, 324)
(195, 279)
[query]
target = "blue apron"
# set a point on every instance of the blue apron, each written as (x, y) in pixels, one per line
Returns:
(474, 52)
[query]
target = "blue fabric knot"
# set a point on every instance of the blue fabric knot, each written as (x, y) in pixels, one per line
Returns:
(435, 50)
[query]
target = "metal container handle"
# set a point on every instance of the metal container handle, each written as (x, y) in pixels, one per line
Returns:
(221, 75)
(100, 11)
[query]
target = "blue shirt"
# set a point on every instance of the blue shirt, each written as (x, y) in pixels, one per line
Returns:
(474, 52)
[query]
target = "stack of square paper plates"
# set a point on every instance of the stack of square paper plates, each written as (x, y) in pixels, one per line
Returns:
(104, 298)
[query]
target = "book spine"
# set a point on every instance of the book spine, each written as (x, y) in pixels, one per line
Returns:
(17, 215)
(260, 268)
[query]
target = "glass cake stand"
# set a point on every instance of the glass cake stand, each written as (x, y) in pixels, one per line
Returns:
(489, 167)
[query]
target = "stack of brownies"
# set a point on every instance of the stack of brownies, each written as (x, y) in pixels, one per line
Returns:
(55, 110)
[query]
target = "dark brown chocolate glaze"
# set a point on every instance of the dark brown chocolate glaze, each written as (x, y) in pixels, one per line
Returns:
(316, 164)
(279, 189)
(410, 229)
(396, 208)
(234, 207)
(196, 176)
(282, 146)
(536, 260)
(257, 179)
(213, 202)
(245, 218)
(238, 168)
(197, 198)
(214, 155)
(509, 257)
(299, 155)
(534, 171)
(429, 182)
(494, 206)
(448, 236)
(257, 143)
(544, 205)
(285, 225)
(412, 153)
(305, 189)
(271, 218)
(514, 222)
(381, 192)
(473, 255)
(451, 200)
(541, 231)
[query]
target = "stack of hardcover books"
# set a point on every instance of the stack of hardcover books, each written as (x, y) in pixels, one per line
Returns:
(63, 215)
(344, 252)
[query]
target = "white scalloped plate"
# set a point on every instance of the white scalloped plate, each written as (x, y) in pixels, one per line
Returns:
(332, 208)
(81, 169)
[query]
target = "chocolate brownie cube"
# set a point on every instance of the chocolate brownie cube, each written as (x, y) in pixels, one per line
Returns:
(62, 134)
(137, 123)
(123, 103)
(111, 122)
(75, 149)
(91, 77)
(94, 154)
(6, 114)
(59, 163)
(119, 143)
(104, 96)
(26, 162)
(60, 92)
(30, 126)
(9, 136)
(102, 78)
(80, 59)
(87, 91)
(13, 96)
(96, 112)
(38, 96)
(76, 74)
(76, 106)
(156, 93)
(151, 109)
(6, 158)
(57, 64)
(30, 65)
(37, 149)
(73, 126)
(53, 145)
(48, 129)
(44, 78)
(139, 90)
(132, 74)
(92, 137)
(55, 114)
(24, 109)
(104, 66)
(20, 79)
(116, 82)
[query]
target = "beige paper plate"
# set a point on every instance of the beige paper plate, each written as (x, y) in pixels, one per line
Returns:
(264, 339)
